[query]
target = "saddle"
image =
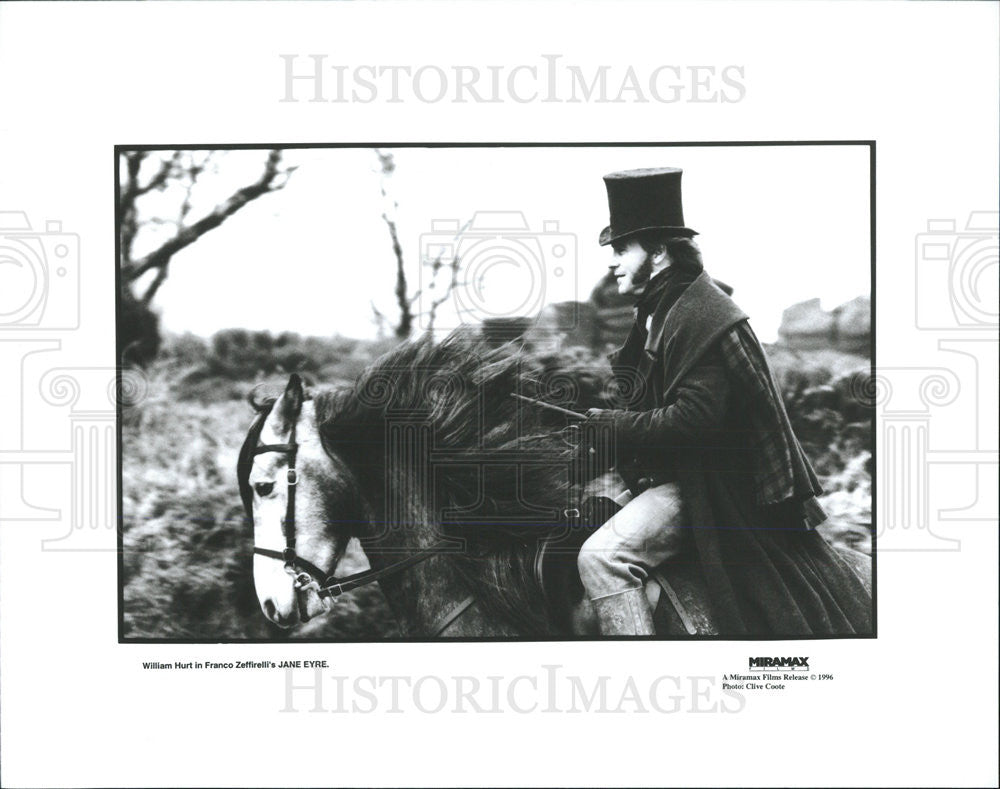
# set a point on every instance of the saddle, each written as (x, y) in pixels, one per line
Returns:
(675, 611)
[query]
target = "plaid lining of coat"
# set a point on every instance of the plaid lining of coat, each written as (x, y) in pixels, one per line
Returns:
(782, 470)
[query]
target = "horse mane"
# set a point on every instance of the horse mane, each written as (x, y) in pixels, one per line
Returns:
(458, 393)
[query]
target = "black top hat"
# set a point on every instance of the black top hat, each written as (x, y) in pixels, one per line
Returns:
(647, 199)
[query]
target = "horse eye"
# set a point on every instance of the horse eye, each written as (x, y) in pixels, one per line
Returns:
(264, 488)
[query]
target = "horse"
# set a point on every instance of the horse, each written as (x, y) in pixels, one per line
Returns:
(469, 504)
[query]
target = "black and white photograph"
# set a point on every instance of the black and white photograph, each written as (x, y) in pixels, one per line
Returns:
(499, 394)
(555, 420)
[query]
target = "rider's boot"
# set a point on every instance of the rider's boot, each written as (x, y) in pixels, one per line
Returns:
(624, 613)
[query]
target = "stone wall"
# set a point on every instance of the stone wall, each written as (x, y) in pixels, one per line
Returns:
(603, 321)
(807, 326)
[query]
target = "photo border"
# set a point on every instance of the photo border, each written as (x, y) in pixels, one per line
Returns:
(119, 149)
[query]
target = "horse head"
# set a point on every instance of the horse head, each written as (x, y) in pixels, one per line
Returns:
(303, 504)
(320, 468)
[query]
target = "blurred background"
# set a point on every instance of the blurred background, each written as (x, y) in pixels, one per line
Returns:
(238, 267)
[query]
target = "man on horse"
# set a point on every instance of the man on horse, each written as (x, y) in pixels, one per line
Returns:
(717, 472)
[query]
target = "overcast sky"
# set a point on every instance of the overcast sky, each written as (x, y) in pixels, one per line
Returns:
(780, 224)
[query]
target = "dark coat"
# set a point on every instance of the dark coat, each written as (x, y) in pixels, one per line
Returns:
(705, 411)
(701, 384)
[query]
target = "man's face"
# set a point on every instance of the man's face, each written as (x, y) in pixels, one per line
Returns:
(631, 266)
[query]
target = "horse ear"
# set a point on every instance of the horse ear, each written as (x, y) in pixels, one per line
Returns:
(291, 402)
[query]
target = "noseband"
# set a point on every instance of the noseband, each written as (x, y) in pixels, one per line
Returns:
(306, 574)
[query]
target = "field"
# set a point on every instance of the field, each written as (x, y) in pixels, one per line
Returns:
(187, 550)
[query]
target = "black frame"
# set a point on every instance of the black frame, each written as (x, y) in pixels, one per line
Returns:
(121, 148)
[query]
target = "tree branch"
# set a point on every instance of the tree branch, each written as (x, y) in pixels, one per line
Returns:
(452, 284)
(159, 180)
(161, 275)
(187, 235)
(129, 188)
(405, 325)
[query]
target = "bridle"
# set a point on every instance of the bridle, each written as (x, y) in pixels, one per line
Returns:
(308, 577)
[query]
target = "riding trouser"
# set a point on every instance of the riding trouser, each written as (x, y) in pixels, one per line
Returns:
(616, 559)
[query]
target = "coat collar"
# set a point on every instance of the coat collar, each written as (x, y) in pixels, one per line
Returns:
(702, 296)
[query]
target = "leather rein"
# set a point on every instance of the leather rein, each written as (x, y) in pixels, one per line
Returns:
(307, 576)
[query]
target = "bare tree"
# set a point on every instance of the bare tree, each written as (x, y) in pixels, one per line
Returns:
(179, 173)
(184, 171)
(404, 299)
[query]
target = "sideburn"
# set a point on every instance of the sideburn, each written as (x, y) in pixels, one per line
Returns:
(645, 272)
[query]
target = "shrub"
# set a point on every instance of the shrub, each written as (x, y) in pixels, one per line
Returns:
(138, 331)
(187, 552)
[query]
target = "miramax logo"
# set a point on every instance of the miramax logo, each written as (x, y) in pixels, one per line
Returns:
(786, 663)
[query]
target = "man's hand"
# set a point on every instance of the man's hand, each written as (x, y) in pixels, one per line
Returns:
(597, 413)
